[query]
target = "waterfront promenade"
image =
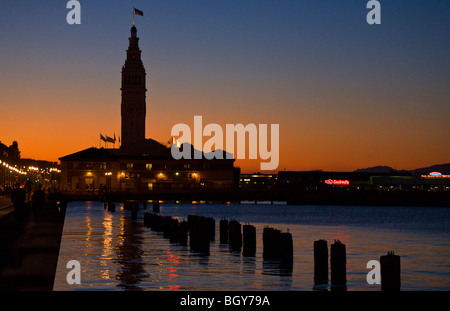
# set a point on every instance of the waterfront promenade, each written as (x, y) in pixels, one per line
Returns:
(29, 251)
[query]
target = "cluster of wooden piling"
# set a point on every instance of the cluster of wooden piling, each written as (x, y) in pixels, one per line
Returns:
(338, 264)
(171, 227)
(277, 245)
(249, 241)
(231, 234)
(201, 233)
(390, 267)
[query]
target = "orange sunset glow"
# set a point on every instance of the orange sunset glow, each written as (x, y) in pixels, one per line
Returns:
(361, 104)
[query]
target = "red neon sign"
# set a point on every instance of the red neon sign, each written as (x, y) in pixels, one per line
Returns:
(335, 182)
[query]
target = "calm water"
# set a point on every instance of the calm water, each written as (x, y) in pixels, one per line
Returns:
(117, 253)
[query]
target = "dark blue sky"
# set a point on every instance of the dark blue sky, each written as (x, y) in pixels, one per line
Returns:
(311, 66)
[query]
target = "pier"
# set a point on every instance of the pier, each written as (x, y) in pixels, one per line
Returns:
(30, 249)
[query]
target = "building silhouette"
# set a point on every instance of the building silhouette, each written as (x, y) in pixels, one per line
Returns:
(133, 108)
(142, 165)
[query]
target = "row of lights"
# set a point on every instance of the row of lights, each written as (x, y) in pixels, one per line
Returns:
(13, 168)
(160, 175)
(176, 174)
(30, 168)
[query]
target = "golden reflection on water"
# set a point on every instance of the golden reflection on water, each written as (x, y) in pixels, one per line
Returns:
(128, 261)
(87, 240)
(118, 253)
(107, 236)
(107, 247)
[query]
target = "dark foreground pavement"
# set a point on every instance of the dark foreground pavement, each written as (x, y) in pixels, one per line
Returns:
(29, 250)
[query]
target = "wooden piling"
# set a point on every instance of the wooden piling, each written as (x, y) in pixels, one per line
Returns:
(320, 262)
(147, 218)
(223, 231)
(111, 206)
(390, 272)
(249, 241)
(286, 249)
(166, 220)
(156, 207)
(199, 237)
(271, 244)
(182, 235)
(172, 231)
(210, 224)
(158, 223)
(234, 235)
(338, 262)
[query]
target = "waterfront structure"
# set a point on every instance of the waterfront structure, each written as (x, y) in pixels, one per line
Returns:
(395, 180)
(257, 181)
(141, 165)
(121, 170)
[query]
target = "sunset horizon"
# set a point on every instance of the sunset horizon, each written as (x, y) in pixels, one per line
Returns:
(346, 97)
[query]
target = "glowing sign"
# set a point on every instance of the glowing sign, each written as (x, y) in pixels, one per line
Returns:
(436, 174)
(335, 182)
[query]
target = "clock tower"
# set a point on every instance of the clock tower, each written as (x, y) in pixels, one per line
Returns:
(133, 108)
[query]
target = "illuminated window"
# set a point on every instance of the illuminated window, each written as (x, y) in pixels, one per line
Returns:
(148, 166)
(129, 166)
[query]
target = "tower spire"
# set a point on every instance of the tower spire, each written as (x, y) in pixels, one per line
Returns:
(134, 90)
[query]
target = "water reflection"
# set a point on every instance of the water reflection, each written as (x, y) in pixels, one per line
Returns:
(173, 271)
(276, 267)
(118, 253)
(129, 255)
(249, 265)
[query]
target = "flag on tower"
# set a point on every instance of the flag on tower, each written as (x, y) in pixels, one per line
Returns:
(138, 12)
(102, 137)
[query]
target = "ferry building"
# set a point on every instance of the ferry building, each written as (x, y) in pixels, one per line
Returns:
(141, 165)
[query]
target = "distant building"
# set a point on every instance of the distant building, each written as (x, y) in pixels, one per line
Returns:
(141, 165)
(395, 180)
(257, 181)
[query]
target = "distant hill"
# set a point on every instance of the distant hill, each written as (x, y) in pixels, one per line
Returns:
(442, 168)
(376, 169)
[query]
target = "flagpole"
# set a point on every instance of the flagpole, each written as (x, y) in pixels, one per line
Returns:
(133, 16)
